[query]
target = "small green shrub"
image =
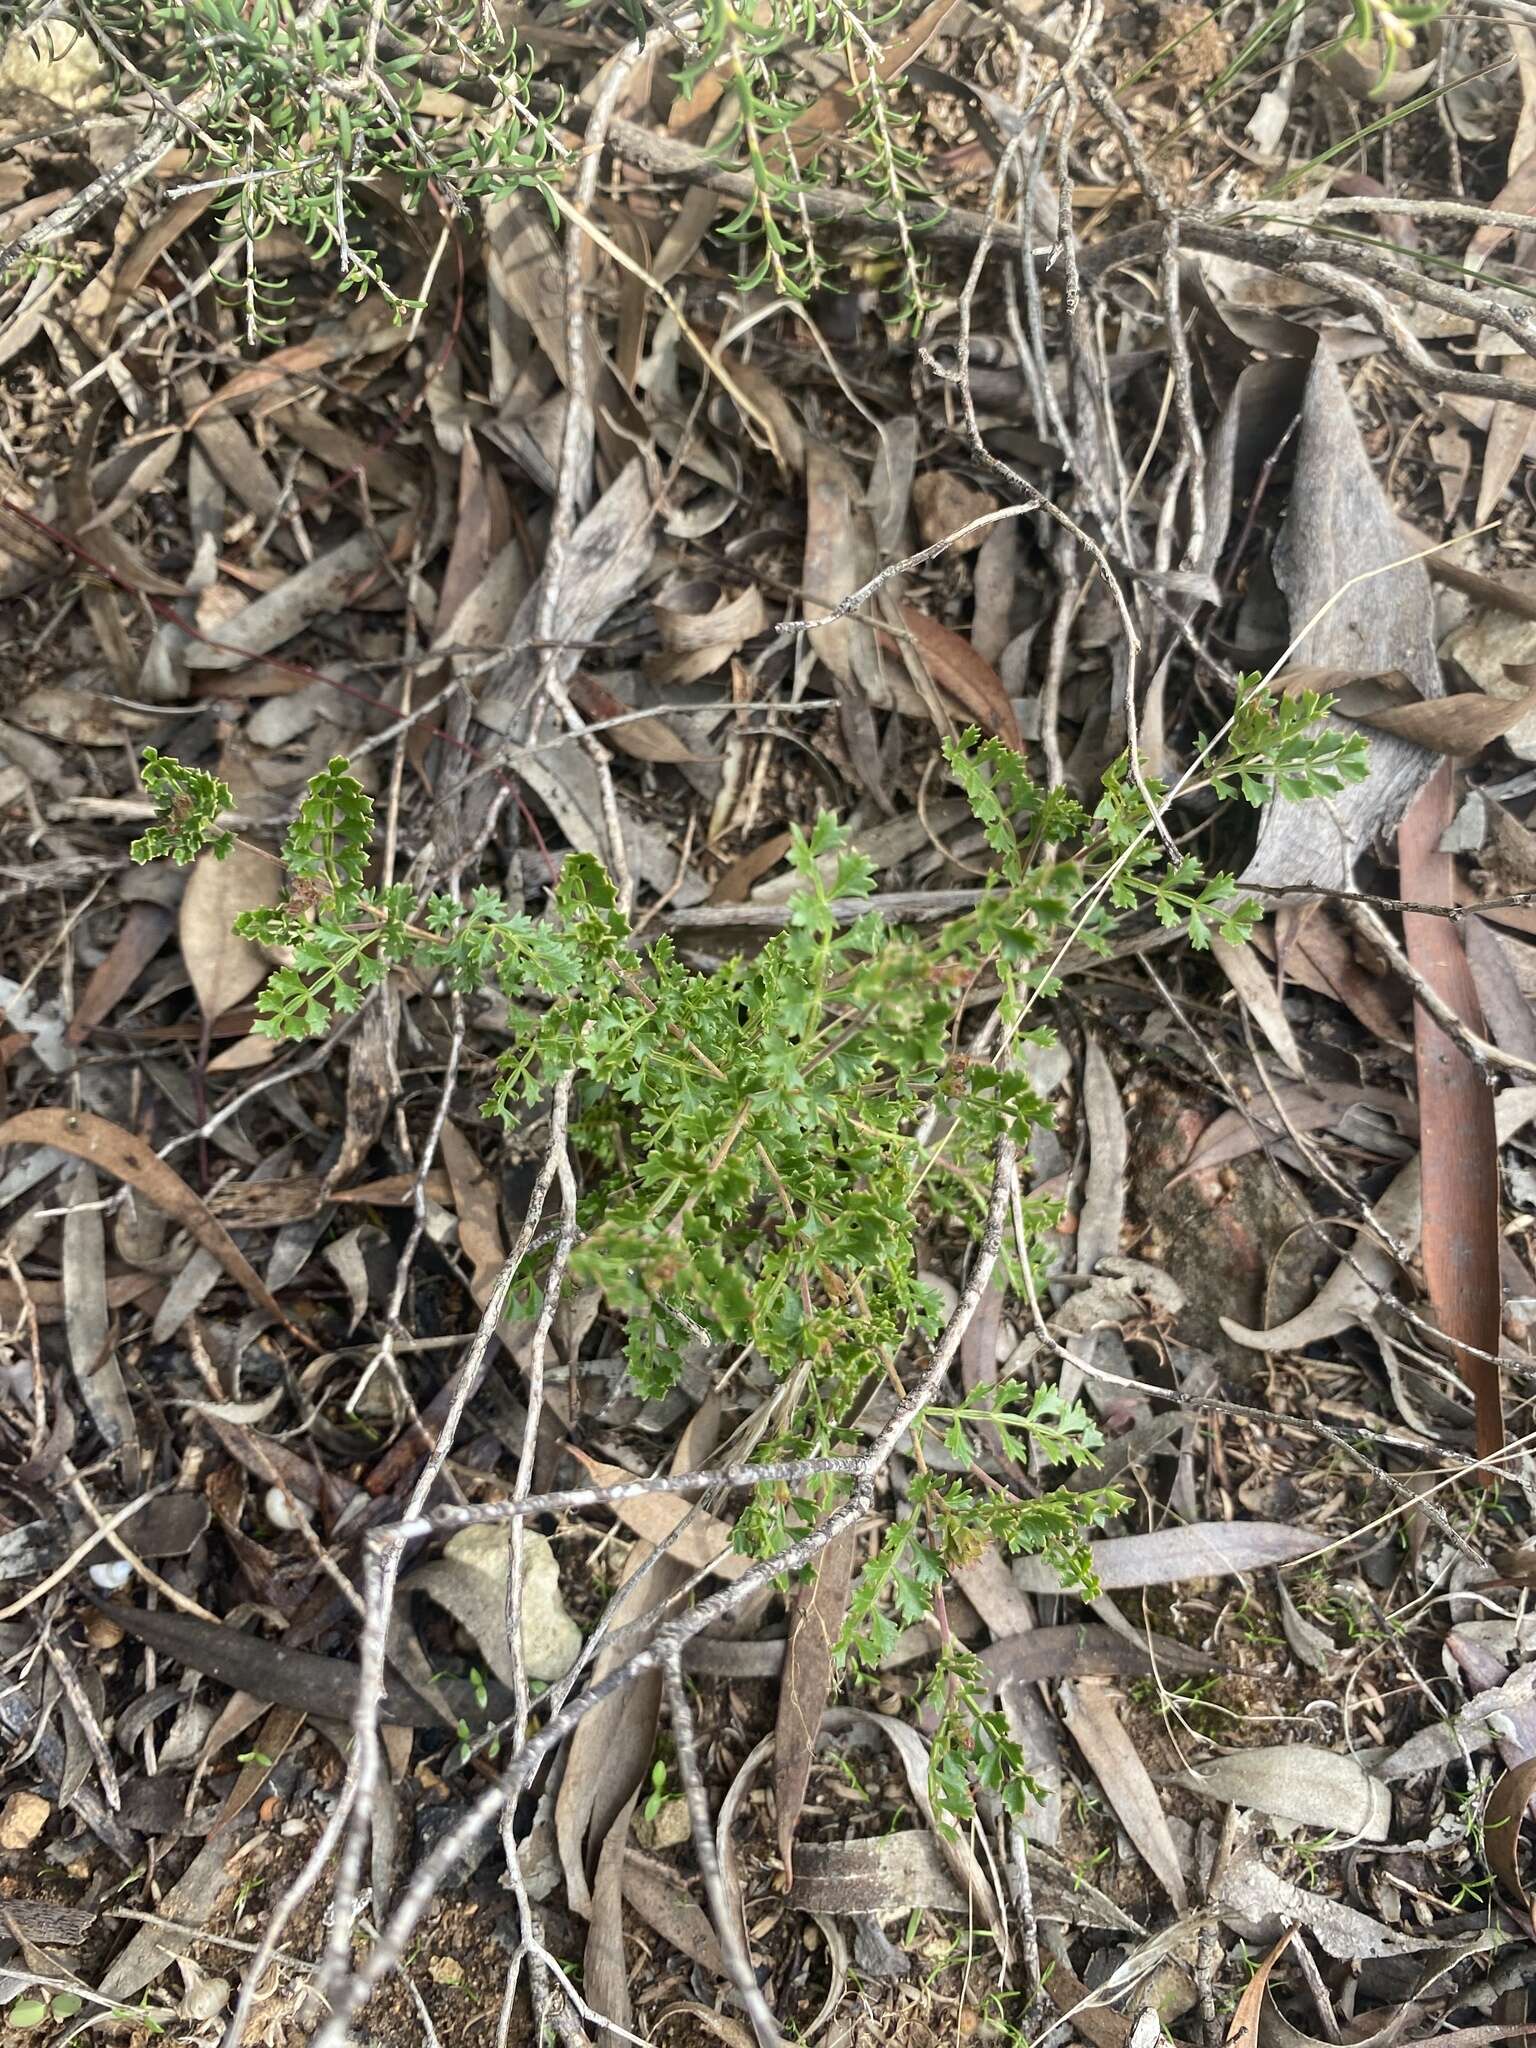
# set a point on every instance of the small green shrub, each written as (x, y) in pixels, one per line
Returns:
(312, 117)
(754, 1172)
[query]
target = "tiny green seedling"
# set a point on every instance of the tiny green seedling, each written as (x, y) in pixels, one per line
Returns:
(658, 1796)
(751, 1136)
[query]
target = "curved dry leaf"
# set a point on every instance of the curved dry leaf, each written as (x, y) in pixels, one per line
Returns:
(373, 1079)
(1243, 2028)
(725, 2030)
(913, 1753)
(833, 111)
(481, 531)
(816, 1614)
(1081, 1650)
(143, 932)
(1255, 1901)
(1510, 431)
(878, 1875)
(1255, 989)
(88, 1318)
(476, 1200)
(1311, 1645)
(1518, 195)
(698, 1540)
(1088, 1708)
(700, 629)
(244, 1054)
(660, 1896)
(320, 590)
(1503, 1820)
(1194, 1550)
(224, 967)
(1378, 620)
(190, 1904)
(643, 739)
(1313, 1106)
(129, 1159)
(1103, 1213)
(1458, 726)
(80, 718)
(1458, 1136)
(611, 1750)
(963, 676)
(325, 1687)
(1356, 1287)
(470, 1580)
(839, 559)
(1295, 1781)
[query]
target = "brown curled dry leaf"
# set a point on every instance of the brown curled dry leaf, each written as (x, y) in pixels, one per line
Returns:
(963, 676)
(1503, 1821)
(1243, 2027)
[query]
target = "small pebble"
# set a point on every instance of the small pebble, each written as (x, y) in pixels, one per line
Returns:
(22, 1820)
(278, 1513)
(112, 1575)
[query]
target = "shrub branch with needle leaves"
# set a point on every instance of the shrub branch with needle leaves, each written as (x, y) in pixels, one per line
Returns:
(754, 54)
(309, 115)
(763, 1143)
(297, 114)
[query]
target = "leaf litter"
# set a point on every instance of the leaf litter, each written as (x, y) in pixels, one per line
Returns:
(1285, 1734)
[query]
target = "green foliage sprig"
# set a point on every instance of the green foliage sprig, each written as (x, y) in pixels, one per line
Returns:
(301, 115)
(750, 1136)
(754, 51)
(311, 115)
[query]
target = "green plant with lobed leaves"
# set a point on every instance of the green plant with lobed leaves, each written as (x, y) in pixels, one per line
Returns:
(761, 1143)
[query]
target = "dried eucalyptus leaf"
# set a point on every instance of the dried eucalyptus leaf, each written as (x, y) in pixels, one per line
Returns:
(1298, 1782)
(470, 1580)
